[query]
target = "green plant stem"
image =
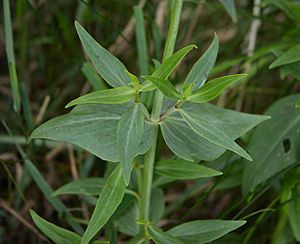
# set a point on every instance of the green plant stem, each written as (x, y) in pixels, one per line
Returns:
(157, 105)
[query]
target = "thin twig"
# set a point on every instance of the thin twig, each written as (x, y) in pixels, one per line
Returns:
(251, 39)
(119, 45)
(6, 207)
(43, 109)
(194, 21)
(75, 176)
(73, 165)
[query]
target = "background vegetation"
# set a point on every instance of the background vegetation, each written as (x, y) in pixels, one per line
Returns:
(52, 70)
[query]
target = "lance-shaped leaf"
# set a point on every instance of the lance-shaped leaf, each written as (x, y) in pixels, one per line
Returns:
(202, 68)
(87, 186)
(213, 88)
(214, 134)
(290, 56)
(165, 86)
(160, 237)
(219, 126)
(230, 8)
(130, 134)
(290, 8)
(53, 232)
(166, 68)
(185, 143)
(203, 231)
(92, 127)
(108, 96)
(108, 66)
(110, 198)
(294, 211)
(274, 144)
(183, 170)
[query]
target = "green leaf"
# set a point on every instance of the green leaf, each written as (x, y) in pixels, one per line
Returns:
(141, 40)
(274, 144)
(127, 222)
(185, 143)
(202, 231)
(108, 96)
(298, 102)
(110, 198)
(294, 212)
(290, 8)
(53, 232)
(47, 191)
(87, 186)
(290, 56)
(92, 127)
(166, 68)
(213, 88)
(108, 66)
(160, 237)
(157, 205)
(230, 8)
(9, 43)
(212, 131)
(92, 76)
(292, 69)
(165, 86)
(129, 136)
(183, 170)
(202, 68)
(219, 126)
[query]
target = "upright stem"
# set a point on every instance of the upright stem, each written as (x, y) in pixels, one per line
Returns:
(157, 105)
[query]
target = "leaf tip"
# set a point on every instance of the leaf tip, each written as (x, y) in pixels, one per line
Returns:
(216, 37)
(69, 104)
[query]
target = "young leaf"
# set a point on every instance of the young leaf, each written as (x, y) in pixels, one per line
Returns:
(110, 198)
(202, 68)
(160, 237)
(165, 86)
(53, 232)
(166, 68)
(129, 136)
(108, 96)
(213, 88)
(183, 170)
(87, 186)
(108, 66)
(203, 231)
(92, 127)
(290, 56)
(230, 8)
(282, 133)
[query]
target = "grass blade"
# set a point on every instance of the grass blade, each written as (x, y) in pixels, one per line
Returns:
(141, 40)
(10, 55)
